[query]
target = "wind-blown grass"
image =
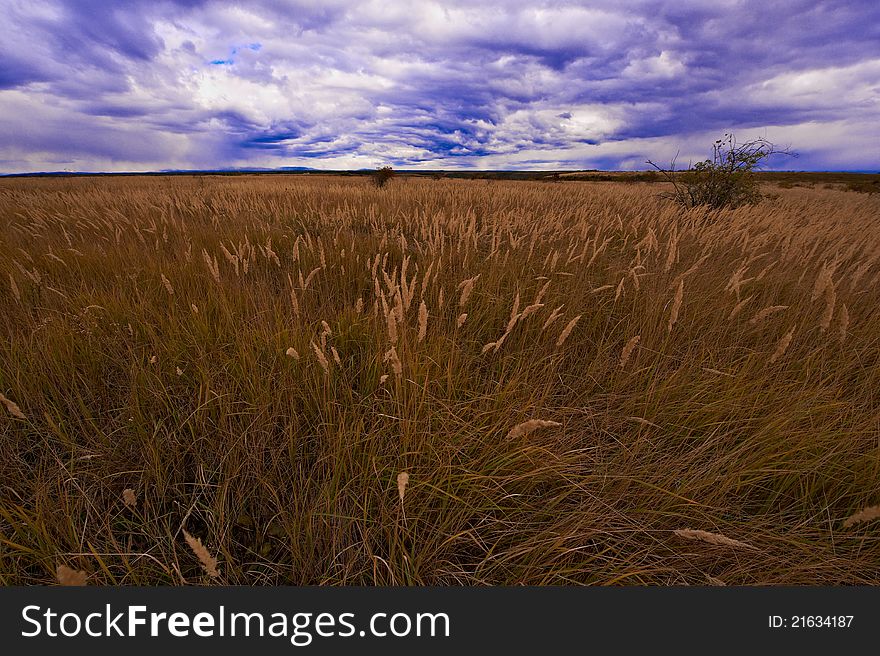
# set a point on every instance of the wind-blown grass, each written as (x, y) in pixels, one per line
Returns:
(235, 381)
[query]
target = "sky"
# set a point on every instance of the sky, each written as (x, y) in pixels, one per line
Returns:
(98, 85)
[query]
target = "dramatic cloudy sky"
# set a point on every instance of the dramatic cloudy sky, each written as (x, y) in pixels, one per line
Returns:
(160, 84)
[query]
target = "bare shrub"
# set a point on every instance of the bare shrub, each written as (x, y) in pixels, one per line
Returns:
(382, 176)
(727, 179)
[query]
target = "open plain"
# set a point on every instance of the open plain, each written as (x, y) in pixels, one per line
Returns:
(310, 380)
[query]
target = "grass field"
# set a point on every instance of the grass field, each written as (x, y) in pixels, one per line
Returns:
(581, 383)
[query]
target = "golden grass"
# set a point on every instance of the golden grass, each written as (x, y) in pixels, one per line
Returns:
(676, 306)
(656, 346)
(423, 321)
(844, 323)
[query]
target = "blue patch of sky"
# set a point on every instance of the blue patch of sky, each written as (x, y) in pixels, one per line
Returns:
(255, 47)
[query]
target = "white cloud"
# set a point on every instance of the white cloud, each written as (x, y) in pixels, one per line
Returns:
(856, 86)
(453, 83)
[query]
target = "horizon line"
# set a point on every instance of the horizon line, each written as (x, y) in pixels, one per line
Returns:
(306, 170)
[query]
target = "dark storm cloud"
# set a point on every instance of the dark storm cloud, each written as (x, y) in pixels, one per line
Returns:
(216, 83)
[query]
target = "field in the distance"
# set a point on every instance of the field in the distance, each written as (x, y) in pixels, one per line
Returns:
(255, 361)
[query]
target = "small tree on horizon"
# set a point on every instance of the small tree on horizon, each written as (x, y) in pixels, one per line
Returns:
(726, 180)
(382, 176)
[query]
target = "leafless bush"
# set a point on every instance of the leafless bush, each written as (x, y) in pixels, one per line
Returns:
(727, 179)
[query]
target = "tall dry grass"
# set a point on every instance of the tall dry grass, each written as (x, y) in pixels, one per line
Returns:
(236, 380)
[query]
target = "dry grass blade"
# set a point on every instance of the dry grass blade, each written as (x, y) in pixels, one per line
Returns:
(643, 422)
(16, 294)
(209, 563)
(676, 306)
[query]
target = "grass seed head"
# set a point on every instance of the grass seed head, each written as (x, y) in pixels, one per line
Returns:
(864, 515)
(711, 538)
(423, 321)
(530, 426)
(322, 359)
(392, 357)
(628, 350)
(12, 407)
(782, 345)
(129, 498)
(761, 315)
(209, 563)
(402, 482)
(828, 312)
(567, 330)
(67, 576)
(466, 288)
